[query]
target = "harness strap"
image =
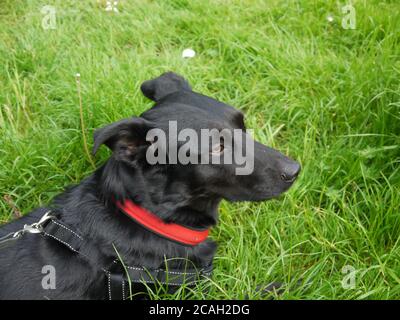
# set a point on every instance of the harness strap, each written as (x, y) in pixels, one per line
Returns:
(171, 278)
(117, 281)
(64, 234)
(116, 286)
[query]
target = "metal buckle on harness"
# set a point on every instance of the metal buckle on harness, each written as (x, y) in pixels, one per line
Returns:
(36, 227)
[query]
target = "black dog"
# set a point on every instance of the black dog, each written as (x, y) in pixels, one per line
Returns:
(90, 241)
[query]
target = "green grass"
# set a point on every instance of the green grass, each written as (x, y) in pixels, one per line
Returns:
(326, 96)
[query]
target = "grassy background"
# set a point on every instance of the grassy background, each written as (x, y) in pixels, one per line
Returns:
(326, 96)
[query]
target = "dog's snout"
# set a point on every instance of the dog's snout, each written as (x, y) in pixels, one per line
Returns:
(290, 171)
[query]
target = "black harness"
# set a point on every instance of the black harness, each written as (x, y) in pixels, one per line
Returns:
(120, 278)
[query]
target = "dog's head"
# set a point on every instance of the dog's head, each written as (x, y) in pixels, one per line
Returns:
(189, 133)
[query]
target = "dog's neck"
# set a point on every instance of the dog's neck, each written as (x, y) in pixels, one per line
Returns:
(171, 200)
(90, 208)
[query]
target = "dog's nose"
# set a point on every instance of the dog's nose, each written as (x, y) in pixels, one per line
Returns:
(290, 171)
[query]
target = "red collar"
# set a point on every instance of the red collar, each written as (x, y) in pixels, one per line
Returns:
(172, 231)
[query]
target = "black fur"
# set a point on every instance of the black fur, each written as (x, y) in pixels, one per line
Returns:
(185, 194)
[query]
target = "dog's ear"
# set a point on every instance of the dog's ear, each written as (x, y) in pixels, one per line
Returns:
(122, 137)
(164, 85)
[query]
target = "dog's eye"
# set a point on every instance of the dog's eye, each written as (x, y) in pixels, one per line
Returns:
(218, 148)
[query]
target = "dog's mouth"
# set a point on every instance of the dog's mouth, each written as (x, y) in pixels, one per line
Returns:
(260, 198)
(288, 180)
(261, 195)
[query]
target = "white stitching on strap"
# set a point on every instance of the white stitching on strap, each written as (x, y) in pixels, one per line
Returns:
(162, 282)
(177, 272)
(135, 268)
(123, 289)
(67, 244)
(66, 228)
(166, 271)
(109, 285)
